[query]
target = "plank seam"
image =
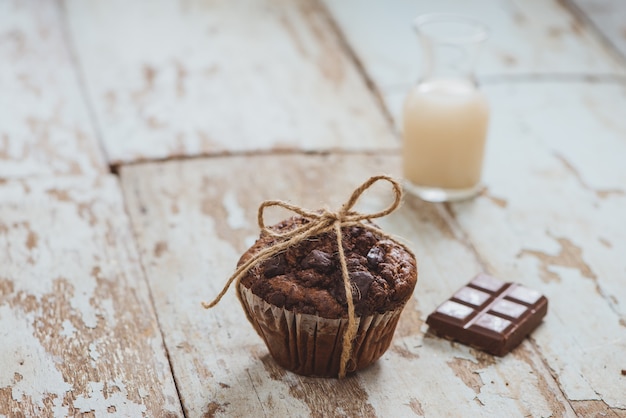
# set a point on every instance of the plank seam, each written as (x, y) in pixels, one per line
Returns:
(134, 243)
(358, 63)
(80, 78)
(115, 166)
(448, 215)
(450, 218)
(550, 370)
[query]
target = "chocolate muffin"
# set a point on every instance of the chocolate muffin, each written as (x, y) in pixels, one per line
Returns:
(296, 300)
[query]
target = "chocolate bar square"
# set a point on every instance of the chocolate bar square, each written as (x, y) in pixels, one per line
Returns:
(489, 314)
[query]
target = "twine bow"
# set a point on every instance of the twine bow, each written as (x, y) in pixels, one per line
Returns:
(319, 222)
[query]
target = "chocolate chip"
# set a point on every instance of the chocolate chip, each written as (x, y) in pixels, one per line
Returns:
(338, 293)
(362, 280)
(275, 266)
(364, 240)
(318, 260)
(375, 257)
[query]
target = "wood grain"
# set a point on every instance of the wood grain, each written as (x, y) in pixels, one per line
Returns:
(190, 78)
(44, 124)
(79, 335)
(269, 91)
(193, 221)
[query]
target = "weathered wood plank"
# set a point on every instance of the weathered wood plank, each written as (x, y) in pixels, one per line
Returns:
(193, 219)
(196, 77)
(609, 17)
(79, 335)
(526, 37)
(44, 126)
(553, 218)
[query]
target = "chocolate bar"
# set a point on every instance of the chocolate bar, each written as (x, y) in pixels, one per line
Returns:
(489, 314)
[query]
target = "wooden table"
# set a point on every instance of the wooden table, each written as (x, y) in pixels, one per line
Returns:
(137, 140)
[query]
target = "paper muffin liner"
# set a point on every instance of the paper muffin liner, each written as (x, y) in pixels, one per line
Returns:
(310, 345)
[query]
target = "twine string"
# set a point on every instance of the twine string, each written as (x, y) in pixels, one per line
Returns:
(319, 223)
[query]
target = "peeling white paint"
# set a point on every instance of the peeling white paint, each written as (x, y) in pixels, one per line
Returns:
(520, 379)
(250, 240)
(107, 310)
(43, 113)
(232, 355)
(59, 410)
(296, 105)
(59, 258)
(236, 217)
(22, 353)
(60, 299)
(97, 402)
(142, 392)
(93, 353)
(68, 329)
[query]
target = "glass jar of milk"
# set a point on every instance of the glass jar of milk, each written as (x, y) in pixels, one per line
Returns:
(445, 115)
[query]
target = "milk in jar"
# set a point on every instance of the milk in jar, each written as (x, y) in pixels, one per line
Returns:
(444, 131)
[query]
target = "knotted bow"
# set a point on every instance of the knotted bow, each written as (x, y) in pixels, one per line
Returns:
(320, 222)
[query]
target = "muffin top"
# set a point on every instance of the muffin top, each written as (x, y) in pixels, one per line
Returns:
(306, 278)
